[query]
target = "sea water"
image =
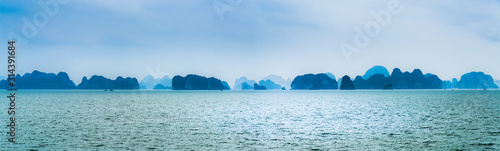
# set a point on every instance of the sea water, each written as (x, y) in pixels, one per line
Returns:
(253, 120)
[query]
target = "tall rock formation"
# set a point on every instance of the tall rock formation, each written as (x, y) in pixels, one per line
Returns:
(238, 83)
(476, 80)
(196, 82)
(376, 70)
(270, 85)
(41, 80)
(100, 82)
(314, 82)
(346, 83)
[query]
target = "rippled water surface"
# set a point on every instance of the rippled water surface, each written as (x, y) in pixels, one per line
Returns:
(254, 120)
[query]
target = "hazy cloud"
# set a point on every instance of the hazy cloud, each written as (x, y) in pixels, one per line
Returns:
(257, 38)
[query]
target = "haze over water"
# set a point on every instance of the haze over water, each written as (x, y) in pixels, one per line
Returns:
(261, 120)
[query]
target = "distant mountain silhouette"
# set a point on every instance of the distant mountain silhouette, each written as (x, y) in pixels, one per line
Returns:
(225, 85)
(414, 80)
(259, 87)
(100, 82)
(41, 80)
(330, 75)
(340, 81)
(246, 86)
(378, 80)
(270, 85)
(238, 83)
(447, 84)
(314, 82)
(279, 80)
(196, 82)
(399, 80)
(149, 82)
(454, 83)
(160, 87)
(346, 83)
(376, 70)
(476, 80)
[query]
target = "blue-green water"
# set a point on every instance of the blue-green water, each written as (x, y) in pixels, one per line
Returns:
(253, 120)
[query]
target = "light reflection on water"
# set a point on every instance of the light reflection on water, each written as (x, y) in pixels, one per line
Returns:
(255, 120)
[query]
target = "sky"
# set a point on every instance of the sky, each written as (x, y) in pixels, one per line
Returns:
(229, 39)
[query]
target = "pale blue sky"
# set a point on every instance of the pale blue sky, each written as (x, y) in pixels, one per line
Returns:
(255, 39)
